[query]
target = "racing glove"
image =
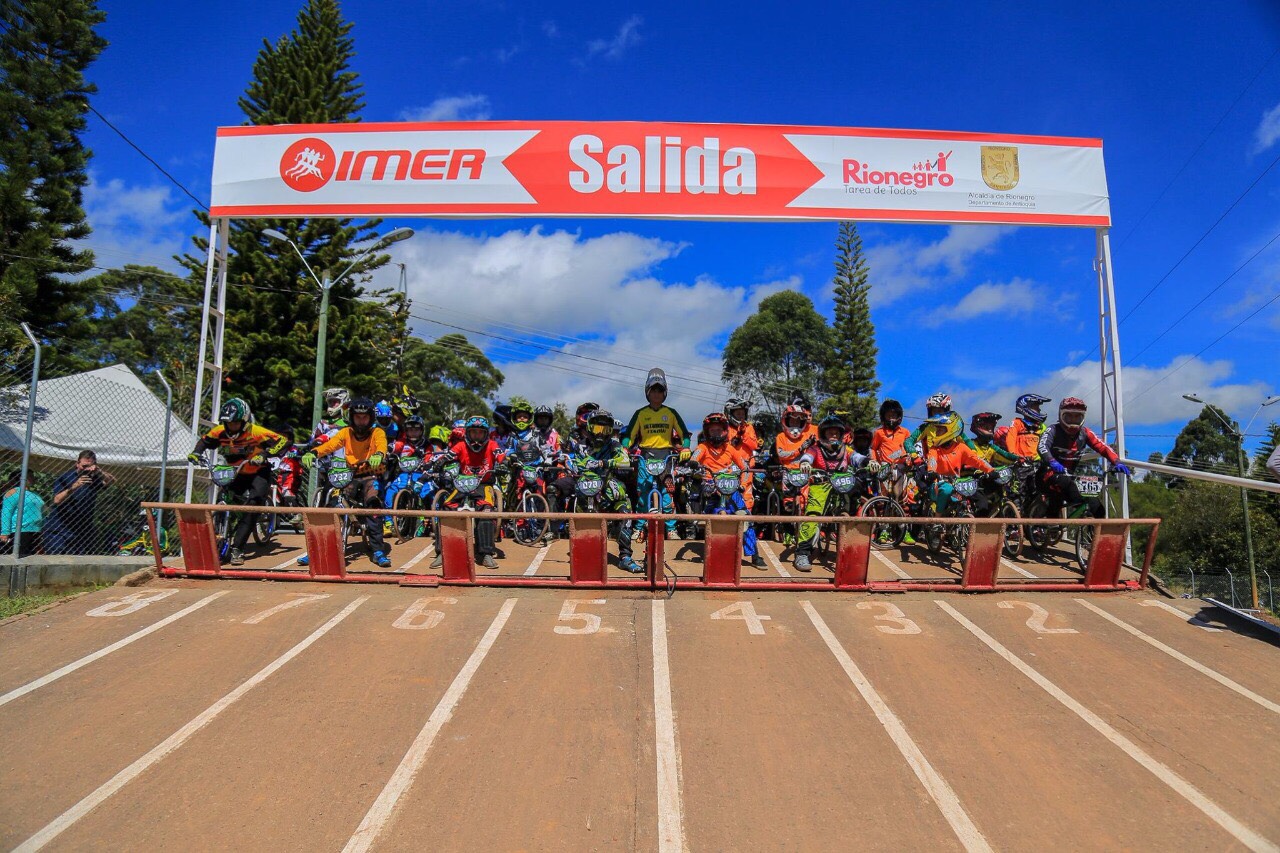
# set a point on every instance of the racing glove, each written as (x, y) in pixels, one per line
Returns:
(376, 460)
(685, 453)
(874, 467)
(1056, 467)
(307, 460)
(195, 458)
(1122, 468)
(257, 459)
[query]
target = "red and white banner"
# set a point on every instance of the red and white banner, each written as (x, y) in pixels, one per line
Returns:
(657, 170)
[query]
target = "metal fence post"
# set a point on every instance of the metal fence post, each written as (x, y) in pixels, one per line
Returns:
(164, 453)
(18, 577)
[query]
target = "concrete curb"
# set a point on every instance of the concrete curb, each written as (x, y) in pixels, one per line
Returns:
(55, 572)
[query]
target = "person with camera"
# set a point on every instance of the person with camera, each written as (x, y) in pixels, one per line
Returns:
(71, 528)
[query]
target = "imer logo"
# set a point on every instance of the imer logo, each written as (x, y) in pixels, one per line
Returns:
(310, 163)
(307, 164)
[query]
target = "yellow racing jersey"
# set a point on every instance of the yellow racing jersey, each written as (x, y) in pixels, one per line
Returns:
(656, 429)
(252, 440)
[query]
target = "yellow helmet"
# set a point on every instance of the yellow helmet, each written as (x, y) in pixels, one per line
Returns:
(945, 428)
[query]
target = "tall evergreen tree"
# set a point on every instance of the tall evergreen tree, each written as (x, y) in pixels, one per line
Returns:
(454, 378)
(1206, 443)
(851, 377)
(272, 302)
(45, 47)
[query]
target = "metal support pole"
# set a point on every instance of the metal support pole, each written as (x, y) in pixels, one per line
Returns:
(204, 345)
(322, 340)
(18, 576)
(1248, 528)
(1113, 378)
(164, 452)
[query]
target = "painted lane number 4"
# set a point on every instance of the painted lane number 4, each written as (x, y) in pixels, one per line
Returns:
(746, 611)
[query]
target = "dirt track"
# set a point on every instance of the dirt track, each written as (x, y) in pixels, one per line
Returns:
(512, 720)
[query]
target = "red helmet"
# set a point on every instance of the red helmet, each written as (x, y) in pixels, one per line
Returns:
(983, 424)
(721, 434)
(584, 414)
(792, 414)
(1071, 412)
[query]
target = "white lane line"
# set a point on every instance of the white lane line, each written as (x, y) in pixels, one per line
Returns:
(1188, 617)
(419, 557)
(1182, 787)
(101, 653)
(537, 560)
(380, 813)
(292, 561)
(1019, 569)
(945, 798)
(59, 824)
(670, 810)
(893, 567)
(1179, 656)
(773, 558)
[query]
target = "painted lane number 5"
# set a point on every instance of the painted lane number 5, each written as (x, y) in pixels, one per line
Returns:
(590, 622)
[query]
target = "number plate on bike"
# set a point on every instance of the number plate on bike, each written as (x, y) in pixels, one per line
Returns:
(1090, 487)
(530, 475)
(655, 466)
(728, 483)
(842, 482)
(589, 485)
(797, 478)
(1003, 476)
(467, 483)
(223, 475)
(339, 477)
(966, 487)
(409, 464)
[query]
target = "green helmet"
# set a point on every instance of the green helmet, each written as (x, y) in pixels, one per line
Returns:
(440, 434)
(235, 409)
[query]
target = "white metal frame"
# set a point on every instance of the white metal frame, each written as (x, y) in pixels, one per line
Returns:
(215, 274)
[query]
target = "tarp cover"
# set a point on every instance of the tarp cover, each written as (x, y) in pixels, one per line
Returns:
(109, 411)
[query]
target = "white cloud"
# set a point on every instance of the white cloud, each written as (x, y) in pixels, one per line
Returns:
(1161, 404)
(134, 224)
(559, 289)
(1017, 297)
(451, 108)
(902, 267)
(628, 36)
(1268, 130)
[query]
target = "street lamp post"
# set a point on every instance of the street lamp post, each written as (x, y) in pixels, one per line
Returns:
(1244, 493)
(326, 284)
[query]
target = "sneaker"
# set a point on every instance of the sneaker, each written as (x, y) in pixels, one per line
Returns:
(438, 561)
(488, 562)
(884, 537)
(802, 563)
(757, 561)
(237, 557)
(629, 565)
(304, 560)
(381, 560)
(907, 539)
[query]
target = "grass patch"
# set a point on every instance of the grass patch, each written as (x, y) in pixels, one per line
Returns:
(26, 603)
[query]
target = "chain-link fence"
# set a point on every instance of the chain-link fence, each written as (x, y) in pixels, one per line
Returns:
(1228, 586)
(89, 447)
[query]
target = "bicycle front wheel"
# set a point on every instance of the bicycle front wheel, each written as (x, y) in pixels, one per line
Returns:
(529, 531)
(884, 536)
(1012, 532)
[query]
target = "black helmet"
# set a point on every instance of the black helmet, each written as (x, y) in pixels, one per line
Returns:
(830, 422)
(599, 427)
(733, 404)
(891, 413)
(362, 406)
(862, 440)
(543, 412)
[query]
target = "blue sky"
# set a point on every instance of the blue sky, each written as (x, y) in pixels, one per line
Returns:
(982, 312)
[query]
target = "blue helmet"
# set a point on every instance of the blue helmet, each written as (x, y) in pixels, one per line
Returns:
(1028, 408)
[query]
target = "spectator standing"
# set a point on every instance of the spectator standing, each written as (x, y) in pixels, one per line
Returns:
(32, 516)
(71, 527)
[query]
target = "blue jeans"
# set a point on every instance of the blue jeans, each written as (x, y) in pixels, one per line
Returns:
(735, 505)
(421, 486)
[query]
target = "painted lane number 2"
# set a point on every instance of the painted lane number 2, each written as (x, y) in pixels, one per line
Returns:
(1037, 618)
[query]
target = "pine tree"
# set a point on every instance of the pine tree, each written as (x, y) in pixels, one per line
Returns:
(851, 377)
(272, 302)
(45, 47)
